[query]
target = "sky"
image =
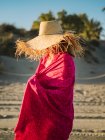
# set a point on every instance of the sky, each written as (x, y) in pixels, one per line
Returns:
(22, 13)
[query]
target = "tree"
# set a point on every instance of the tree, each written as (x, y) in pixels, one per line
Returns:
(62, 16)
(70, 22)
(103, 9)
(43, 17)
(35, 25)
(89, 28)
(92, 28)
(46, 16)
(74, 22)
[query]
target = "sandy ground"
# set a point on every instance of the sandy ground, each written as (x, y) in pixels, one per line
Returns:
(89, 102)
(89, 97)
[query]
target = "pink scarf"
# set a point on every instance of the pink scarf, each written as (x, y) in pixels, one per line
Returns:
(47, 108)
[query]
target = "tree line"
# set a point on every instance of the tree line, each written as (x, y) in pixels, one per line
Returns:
(90, 29)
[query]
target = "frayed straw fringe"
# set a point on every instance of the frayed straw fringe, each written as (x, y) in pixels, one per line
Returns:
(71, 44)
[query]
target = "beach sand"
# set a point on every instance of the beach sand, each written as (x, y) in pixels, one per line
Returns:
(89, 106)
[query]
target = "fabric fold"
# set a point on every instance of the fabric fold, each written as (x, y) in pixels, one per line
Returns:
(47, 111)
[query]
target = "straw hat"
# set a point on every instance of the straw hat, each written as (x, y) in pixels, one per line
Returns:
(50, 35)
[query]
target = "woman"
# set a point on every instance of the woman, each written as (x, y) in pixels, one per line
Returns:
(47, 111)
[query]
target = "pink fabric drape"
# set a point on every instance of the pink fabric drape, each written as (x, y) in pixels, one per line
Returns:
(47, 107)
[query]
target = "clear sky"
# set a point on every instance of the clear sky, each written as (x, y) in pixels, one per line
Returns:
(22, 13)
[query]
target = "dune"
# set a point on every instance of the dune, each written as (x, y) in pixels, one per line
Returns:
(17, 70)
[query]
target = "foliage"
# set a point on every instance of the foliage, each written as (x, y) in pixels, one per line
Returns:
(88, 28)
(70, 22)
(9, 34)
(1, 66)
(103, 9)
(43, 17)
(92, 29)
(35, 25)
(46, 16)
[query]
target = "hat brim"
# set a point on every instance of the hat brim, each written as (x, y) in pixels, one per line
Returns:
(44, 41)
